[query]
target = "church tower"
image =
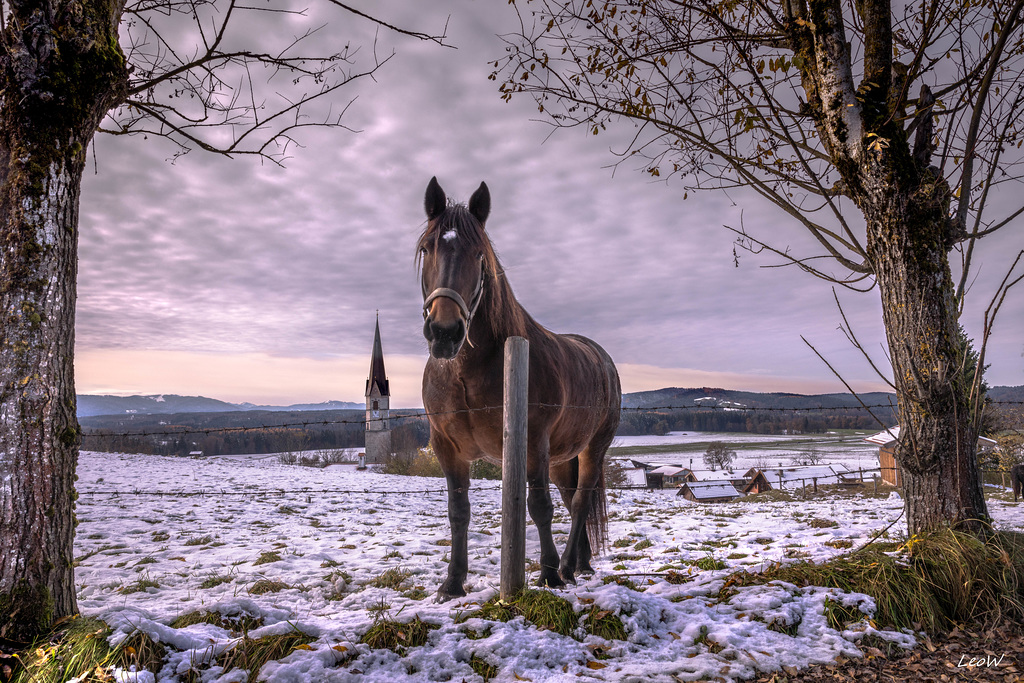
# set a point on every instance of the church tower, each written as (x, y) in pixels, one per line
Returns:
(378, 397)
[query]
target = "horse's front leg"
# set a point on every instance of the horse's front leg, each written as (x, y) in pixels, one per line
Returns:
(457, 473)
(538, 501)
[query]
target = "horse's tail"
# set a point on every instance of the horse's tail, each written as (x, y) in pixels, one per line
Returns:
(597, 520)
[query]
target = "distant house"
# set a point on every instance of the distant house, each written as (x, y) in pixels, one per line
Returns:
(805, 475)
(671, 475)
(755, 483)
(716, 491)
(886, 441)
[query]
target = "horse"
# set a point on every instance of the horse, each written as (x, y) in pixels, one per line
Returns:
(1017, 480)
(574, 394)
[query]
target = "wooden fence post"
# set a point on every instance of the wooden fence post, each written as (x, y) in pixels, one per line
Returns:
(513, 468)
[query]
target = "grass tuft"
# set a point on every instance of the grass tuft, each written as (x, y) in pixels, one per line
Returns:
(251, 654)
(392, 578)
(482, 668)
(550, 612)
(932, 582)
(78, 649)
(266, 558)
(388, 634)
(264, 586)
(242, 623)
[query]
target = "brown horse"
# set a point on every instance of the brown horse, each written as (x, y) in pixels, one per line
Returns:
(574, 395)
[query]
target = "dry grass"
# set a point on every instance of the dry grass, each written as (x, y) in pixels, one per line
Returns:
(931, 582)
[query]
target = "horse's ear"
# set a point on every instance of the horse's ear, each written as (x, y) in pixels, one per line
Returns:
(435, 201)
(480, 203)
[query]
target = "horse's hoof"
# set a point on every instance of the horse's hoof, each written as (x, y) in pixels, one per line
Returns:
(550, 578)
(567, 576)
(585, 570)
(448, 591)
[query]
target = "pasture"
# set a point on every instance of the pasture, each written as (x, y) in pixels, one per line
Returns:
(330, 553)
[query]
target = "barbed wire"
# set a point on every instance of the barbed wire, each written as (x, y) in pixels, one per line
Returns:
(306, 424)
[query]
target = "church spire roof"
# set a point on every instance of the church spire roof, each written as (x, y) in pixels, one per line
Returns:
(378, 376)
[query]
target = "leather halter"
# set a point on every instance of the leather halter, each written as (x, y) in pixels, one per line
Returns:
(467, 311)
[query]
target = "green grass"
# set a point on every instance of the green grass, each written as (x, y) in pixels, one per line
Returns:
(931, 582)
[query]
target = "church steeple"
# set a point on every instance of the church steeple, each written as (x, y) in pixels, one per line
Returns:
(378, 400)
(378, 378)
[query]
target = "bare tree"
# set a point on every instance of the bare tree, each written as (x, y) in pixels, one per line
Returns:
(217, 75)
(888, 132)
(718, 455)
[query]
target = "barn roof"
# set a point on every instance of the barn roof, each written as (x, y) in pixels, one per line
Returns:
(885, 437)
(893, 434)
(709, 490)
(669, 470)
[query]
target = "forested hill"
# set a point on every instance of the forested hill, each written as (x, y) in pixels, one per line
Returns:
(709, 409)
(748, 399)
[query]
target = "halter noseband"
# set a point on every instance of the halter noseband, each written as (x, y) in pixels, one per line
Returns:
(467, 311)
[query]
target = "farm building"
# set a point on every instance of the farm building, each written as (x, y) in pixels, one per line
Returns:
(670, 475)
(886, 442)
(716, 491)
(802, 476)
(755, 483)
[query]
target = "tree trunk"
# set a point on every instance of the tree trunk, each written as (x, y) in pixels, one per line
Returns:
(61, 69)
(933, 364)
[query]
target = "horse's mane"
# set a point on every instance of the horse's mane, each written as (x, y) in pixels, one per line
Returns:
(504, 315)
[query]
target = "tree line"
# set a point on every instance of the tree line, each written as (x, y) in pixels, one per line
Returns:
(635, 423)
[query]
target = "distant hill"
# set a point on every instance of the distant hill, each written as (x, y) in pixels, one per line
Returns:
(727, 398)
(165, 404)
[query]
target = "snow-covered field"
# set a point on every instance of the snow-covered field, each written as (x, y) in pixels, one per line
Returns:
(756, 450)
(161, 551)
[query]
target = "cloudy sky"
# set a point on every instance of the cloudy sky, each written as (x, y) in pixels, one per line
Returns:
(248, 282)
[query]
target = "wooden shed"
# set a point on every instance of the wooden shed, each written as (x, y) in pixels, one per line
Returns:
(886, 441)
(756, 483)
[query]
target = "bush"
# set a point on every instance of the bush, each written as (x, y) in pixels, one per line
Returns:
(485, 470)
(418, 462)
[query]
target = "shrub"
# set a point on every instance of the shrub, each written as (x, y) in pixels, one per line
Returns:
(419, 462)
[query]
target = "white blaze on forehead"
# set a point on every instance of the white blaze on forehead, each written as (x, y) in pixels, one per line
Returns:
(449, 236)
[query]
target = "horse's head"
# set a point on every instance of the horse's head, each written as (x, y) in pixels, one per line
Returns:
(455, 258)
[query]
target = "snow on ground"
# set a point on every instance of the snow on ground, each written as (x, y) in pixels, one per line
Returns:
(159, 551)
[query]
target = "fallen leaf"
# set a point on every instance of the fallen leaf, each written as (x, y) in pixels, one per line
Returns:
(595, 665)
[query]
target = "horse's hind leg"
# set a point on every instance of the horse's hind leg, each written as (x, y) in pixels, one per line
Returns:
(538, 501)
(457, 473)
(566, 477)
